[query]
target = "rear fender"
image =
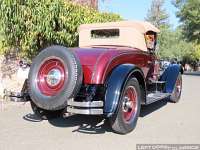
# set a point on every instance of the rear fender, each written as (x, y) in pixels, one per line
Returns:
(170, 76)
(115, 83)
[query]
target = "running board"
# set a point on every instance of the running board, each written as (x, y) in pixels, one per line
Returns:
(153, 97)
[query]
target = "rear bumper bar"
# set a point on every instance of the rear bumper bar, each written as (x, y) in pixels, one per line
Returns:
(85, 111)
(86, 108)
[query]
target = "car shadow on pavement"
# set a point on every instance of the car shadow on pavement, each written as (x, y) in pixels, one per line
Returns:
(92, 124)
(148, 109)
(85, 124)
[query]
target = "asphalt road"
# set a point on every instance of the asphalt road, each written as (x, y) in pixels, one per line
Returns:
(161, 122)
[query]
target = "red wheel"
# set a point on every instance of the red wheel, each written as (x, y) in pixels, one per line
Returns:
(51, 76)
(176, 94)
(178, 87)
(55, 77)
(129, 104)
(126, 116)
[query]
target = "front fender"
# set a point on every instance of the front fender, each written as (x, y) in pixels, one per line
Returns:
(170, 76)
(115, 84)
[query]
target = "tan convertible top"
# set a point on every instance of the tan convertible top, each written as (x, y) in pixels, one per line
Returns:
(131, 34)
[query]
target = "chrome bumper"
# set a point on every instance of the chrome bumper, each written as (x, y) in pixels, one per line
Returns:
(86, 108)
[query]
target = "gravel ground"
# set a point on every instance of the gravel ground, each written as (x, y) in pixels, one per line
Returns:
(161, 122)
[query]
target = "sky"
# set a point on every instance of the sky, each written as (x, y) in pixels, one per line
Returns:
(136, 9)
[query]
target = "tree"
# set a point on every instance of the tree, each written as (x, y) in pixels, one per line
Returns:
(172, 44)
(189, 14)
(31, 25)
(159, 17)
(157, 14)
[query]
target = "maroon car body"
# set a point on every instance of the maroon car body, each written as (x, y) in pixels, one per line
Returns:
(97, 63)
(112, 73)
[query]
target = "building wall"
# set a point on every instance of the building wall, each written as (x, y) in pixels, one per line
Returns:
(92, 3)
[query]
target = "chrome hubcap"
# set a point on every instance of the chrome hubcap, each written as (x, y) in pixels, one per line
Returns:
(127, 104)
(53, 77)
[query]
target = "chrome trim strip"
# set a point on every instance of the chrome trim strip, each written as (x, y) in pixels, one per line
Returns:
(85, 111)
(86, 104)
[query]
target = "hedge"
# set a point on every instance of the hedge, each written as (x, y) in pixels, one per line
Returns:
(30, 25)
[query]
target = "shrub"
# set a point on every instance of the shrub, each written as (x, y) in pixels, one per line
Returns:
(30, 25)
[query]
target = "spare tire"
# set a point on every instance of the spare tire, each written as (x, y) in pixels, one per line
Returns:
(55, 77)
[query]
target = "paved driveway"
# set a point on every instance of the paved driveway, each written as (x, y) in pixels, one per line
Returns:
(160, 122)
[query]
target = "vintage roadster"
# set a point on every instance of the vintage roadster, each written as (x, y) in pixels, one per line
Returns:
(112, 73)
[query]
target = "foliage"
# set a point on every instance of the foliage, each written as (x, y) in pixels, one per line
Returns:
(172, 44)
(31, 25)
(157, 14)
(197, 52)
(189, 14)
